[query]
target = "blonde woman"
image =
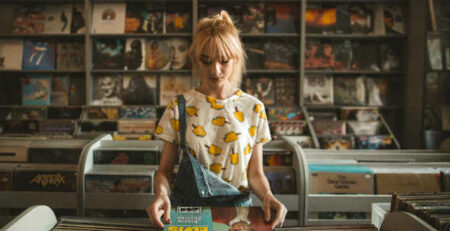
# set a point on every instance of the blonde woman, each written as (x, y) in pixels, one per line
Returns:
(226, 128)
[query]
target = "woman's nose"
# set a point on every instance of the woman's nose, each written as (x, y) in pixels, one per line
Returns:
(216, 68)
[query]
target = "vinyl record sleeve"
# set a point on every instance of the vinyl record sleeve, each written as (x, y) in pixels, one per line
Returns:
(11, 51)
(108, 18)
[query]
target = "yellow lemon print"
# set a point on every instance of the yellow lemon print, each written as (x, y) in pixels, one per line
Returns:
(217, 168)
(199, 131)
(213, 150)
(239, 115)
(213, 103)
(264, 140)
(263, 115)
(175, 124)
(172, 104)
(159, 130)
(191, 111)
(217, 106)
(238, 93)
(247, 149)
(219, 121)
(257, 108)
(226, 180)
(192, 152)
(230, 137)
(252, 130)
(234, 158)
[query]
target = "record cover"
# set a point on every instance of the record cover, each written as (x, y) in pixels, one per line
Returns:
(255, 54)
(360, 114)
(379, 27)
(434, 48)
(118, 184)
(364, 127)
(394, 19)
(139, 89)
(28, 19)
(23, 113)
(286, 91)
(108, 53)
(178, 18)
(64, 113)
(38, 55)
(318, 89)
(349, 91)
(319, 54)
(305, 142)
(36, 90)
(391, 56)
(59, 18)
(134, 54)
(57, 127)
(253, 18)
(286, 128)
(280, 55)
(60, 90)
(11, 51)
(377, 91)
(98, 126)
(146, 157)
(361, 18)
(21, 127)
(77, 95)
(285, 113)
(142, 126)
(108, 18)
(70, 55)
(138, 112)
(374, 142)
(134, 17)
(366, 56)
(172, 85)
(107, 90)
(106, 113)
(54, 155)
(336, 142)
(179, 59)
(154, 19)
(281, 18)
(281, 182)
(157, 54)
(446, 52)
(78, 25)
(45, 180)
(320, 20)
(342, 54)
(442, 12)
(262, 88)
(329, 127)
(277, 158)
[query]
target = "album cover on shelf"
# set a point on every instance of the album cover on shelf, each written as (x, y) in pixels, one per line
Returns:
(277, 158)
(141, 157)
(280, 55)
(23, 113)
(58, 18)
(262, 88)
(287, 128)
(108, 53)
(134, 54)
(320, 20)
(336, 142)
(253, 18)
(139, 89)
(78, 25)
(281, 180)
(108, 18)
(377, 91)
(255, 54)
(60, 90)
(107, 90)
(442, 18)
(366, 56)
(435, 53)
(178, 19)
(394, 19)
(285, 113)
(28, 19)
(392, 56)
(77, 91)
(360, 114)
(157, 54)
(38, 177)
(154, 19)
(349, 91)
(134, 17)
(286, 91)
(54, 155)
(142, 126)
(55, 127)
(379, 27)
(70, 55)
(329, 127)
(445, 118)
(118, 184)
(38, 55)
(446, 52)
(72, 113)
(361, 18)
(138, 112)
(342, 54)
(319, 54)
(179, 59)
(343, 19)
(374, 142)
(305, 142)
(98, 126)
(281, 18)
(318, 89)
(36, 90)
(11, 51)
(105, 113)
(364, 127)
(172, 85)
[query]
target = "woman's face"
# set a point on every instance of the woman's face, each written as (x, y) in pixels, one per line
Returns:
(179, 49)
(215, 72)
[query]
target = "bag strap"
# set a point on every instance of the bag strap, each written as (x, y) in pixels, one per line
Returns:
(182, 119)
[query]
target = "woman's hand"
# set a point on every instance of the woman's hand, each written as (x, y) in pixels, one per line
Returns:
(159, 207)
(271, 203)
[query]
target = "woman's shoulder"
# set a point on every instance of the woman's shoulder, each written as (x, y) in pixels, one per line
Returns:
(250, 99)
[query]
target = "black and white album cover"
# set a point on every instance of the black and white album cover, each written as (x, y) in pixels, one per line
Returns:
(134, 54)
(349, 91)
(139, 89)
(318, 89)
(107, 90)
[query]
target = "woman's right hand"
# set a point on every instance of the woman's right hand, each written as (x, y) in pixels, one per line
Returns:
(159, 207)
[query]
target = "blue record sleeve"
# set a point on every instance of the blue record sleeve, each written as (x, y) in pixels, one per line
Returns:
(38, 55)
(36, 90)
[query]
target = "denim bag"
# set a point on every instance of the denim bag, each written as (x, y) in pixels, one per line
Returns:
(196, 185)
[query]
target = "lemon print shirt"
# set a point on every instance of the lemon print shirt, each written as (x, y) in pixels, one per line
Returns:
(220, 134)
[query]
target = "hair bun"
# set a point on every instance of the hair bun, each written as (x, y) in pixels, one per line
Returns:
(225, 16)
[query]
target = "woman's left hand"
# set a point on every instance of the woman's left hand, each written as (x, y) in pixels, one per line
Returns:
(271, 203)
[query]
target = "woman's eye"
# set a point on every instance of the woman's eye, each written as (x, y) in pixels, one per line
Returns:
(205, 62)
(224, 61)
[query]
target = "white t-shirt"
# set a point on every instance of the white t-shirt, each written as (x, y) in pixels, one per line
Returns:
(219, 133)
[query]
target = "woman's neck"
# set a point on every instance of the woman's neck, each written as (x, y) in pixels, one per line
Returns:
(218, 92)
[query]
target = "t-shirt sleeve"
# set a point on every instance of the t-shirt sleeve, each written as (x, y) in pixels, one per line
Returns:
(263, 131)
(169, 126)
